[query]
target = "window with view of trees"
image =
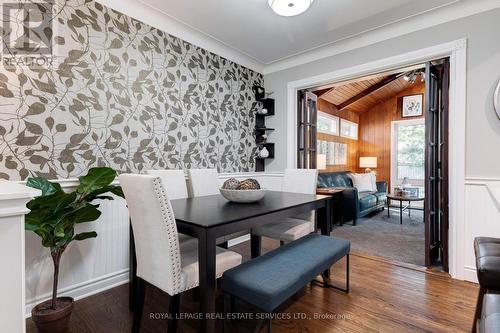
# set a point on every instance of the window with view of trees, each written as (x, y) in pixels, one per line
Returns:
(409, 151)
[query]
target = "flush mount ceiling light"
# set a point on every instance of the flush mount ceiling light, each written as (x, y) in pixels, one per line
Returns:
(289, 7)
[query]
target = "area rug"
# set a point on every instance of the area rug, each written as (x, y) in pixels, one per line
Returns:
(379, 235)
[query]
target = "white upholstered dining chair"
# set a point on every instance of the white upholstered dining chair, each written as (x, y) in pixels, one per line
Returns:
(174, 183)
(162, 260)
(293, 228)
(204, 182)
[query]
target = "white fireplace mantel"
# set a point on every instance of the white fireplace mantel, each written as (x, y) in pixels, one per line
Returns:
(13, 199)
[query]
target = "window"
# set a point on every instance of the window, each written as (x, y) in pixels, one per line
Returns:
(348, 129)
(408, 152)
(327, 123)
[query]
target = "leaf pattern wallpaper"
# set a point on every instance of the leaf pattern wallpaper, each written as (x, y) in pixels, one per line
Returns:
(125, 95)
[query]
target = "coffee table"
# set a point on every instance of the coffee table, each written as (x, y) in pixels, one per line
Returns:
(401, 199)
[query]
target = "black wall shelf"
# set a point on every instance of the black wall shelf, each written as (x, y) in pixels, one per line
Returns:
(261, 131)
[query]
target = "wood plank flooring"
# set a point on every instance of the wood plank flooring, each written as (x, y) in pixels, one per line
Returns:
(384, 298)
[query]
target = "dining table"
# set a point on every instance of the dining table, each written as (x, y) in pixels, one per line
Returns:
(208, 218)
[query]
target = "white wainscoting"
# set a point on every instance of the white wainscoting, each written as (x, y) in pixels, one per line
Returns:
(94, 265)
(482, 218)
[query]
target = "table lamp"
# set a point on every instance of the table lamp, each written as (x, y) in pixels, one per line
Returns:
(368, 163)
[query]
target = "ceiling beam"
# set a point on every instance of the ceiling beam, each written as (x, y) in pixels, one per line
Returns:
(370, 90)
(321, 92)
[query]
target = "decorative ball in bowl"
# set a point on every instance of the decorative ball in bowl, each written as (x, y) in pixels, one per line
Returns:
(244, 191)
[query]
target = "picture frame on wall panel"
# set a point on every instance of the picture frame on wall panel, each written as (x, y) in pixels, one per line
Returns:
(412, 106)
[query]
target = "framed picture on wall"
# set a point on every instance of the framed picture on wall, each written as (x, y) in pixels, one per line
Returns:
(412, 106)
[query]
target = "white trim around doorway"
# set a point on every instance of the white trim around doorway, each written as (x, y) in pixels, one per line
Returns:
(457, 52)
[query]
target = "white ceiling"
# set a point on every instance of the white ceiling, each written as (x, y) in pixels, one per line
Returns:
(252, 28)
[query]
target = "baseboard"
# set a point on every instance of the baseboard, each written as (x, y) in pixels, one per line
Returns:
(470, 274)
(84, 289)
(238, 240)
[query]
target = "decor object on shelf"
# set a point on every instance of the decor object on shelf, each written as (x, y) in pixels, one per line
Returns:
(231, 184)
(368, 163)
(289, 7)
(321, 161)
(249, 184)
(264, 153)
(53, 216)
(496, 100)
(260, 92)
(412, 106)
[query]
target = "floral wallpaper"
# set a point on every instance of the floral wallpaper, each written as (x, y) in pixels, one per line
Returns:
(123, 94)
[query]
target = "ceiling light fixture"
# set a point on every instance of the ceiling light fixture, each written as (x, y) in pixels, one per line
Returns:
(289, 7)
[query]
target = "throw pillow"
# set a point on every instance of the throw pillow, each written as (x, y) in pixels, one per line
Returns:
(363, 182)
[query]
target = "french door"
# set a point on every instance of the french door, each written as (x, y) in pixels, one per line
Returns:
(436, 165)
(306, 129)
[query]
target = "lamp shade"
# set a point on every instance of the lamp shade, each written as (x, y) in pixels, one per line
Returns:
(321, 161)
(367, 162)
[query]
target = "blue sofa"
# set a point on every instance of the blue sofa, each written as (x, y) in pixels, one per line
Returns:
(354, 204)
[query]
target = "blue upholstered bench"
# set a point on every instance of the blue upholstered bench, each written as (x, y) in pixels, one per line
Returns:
(269, 280)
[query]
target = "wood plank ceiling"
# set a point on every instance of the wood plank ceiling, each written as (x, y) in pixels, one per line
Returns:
(357, 96)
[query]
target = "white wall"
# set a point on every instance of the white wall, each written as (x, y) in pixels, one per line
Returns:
(482, 127)
(93, 265)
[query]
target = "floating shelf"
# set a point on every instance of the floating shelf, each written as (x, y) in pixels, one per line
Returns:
(260, 127)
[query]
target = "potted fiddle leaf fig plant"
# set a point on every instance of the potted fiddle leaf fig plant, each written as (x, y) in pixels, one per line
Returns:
(53, 216)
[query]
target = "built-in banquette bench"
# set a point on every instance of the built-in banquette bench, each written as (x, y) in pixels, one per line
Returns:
(269, 280)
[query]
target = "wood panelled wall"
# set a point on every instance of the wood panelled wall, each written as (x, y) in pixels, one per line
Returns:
(352, 145)
(375, 130)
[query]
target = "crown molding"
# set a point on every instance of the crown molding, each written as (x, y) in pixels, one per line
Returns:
(415, 23)
(161, 20)
(164, 22)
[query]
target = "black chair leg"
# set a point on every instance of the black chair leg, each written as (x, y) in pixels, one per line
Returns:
(282, 243)
(354, 221)
(347, 273)
(255, 245)
(479, 308)
(174, 307)
(270, 326)
(138, 304)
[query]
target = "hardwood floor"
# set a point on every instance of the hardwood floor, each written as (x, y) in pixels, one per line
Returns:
(384, 298)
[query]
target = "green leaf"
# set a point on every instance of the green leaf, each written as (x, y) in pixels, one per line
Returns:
(95, 179)
(44, 185)
(116, 190)
(87, 213)
(85, 235)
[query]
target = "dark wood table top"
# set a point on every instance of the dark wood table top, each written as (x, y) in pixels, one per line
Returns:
(394, 196)
(213, 210)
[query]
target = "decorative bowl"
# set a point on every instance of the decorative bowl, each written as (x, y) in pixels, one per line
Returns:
(243, 196)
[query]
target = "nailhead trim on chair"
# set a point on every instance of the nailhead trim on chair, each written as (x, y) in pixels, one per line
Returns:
(171, 229)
